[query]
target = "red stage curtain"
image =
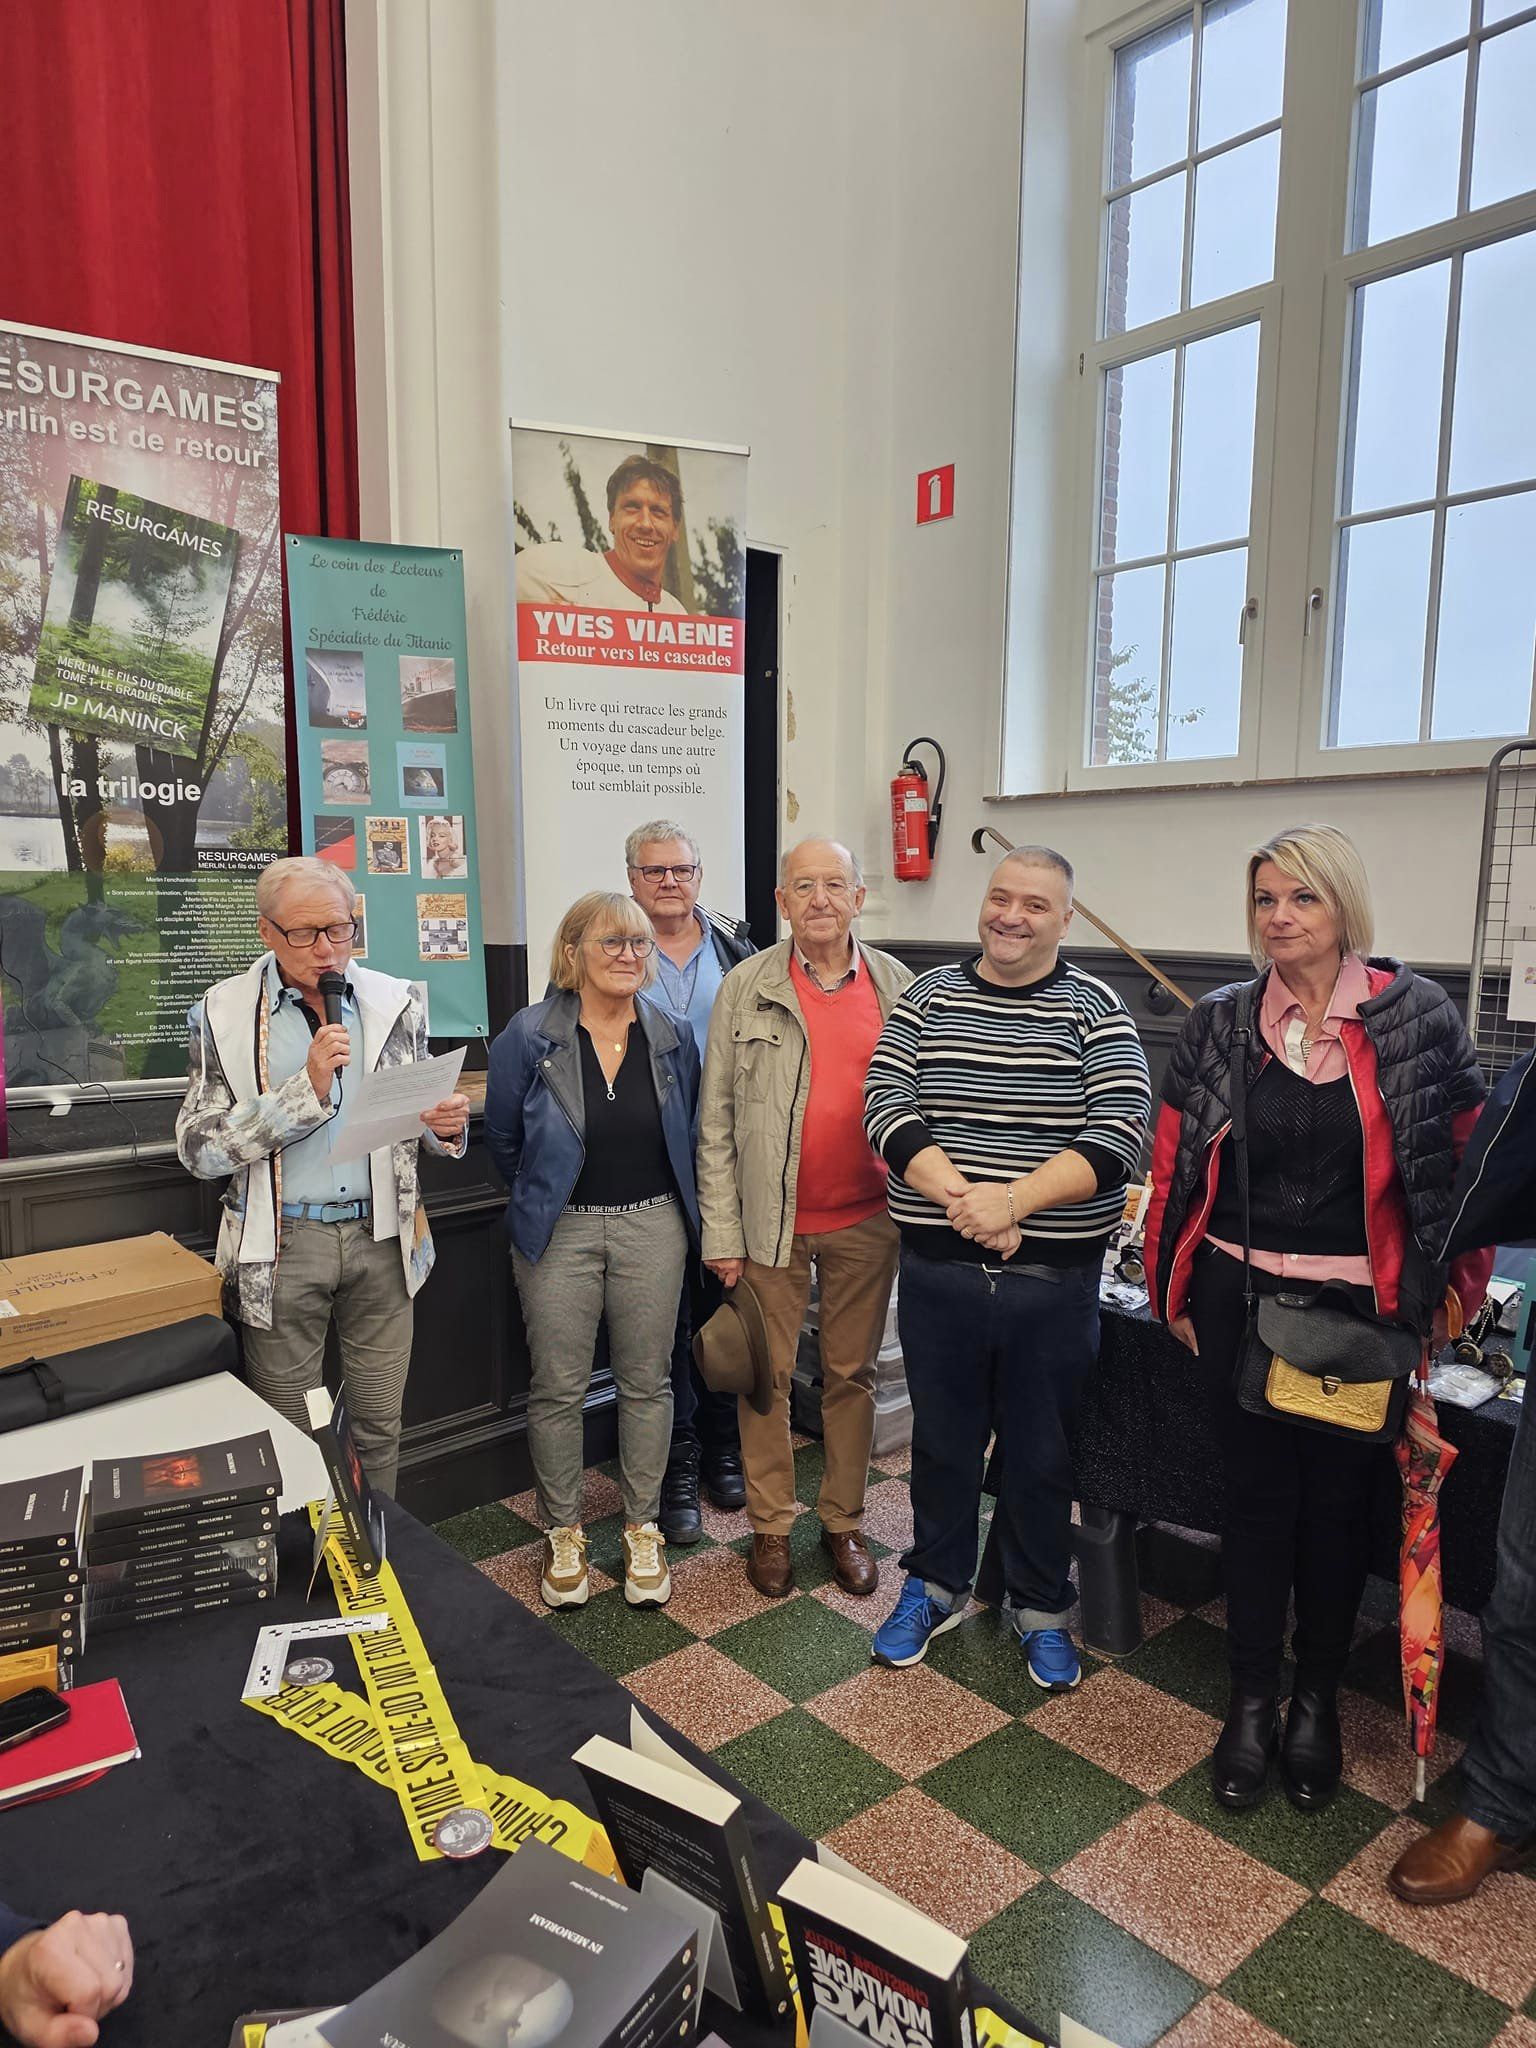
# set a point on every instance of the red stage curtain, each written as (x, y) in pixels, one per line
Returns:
(176, 177)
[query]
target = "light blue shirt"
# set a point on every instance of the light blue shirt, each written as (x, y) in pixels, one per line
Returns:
(689, 991)
(308, 1175)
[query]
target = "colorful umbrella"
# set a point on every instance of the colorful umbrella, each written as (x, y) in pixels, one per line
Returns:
(1423, 1458)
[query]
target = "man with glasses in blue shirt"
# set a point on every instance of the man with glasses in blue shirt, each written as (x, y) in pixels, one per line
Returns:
(695, 950)
(308, 1234)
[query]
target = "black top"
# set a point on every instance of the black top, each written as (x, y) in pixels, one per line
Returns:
(626, 1152)
(1306, 1168)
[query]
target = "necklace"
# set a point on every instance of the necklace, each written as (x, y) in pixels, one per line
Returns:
(618, 1045)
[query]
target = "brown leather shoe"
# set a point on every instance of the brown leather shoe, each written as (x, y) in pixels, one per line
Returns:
(855, 1569)
(1452, 1862)
(770, 1567)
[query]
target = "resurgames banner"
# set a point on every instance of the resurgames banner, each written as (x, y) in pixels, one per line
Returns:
(142, 721)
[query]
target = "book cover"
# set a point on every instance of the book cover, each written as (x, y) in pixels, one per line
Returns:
(38, 1516)
(41, 1574)
(249, 1563)
(113, 1613)
(43, 1602)
(361, 1513)
(97, 1735)
(181, 1533)
(135, 609)
(695, 1834)
(62, 1628)
(892, 1975)
(548, 1953)
(169, 1483)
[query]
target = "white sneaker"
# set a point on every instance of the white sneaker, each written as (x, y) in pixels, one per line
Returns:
(564, 1583)
(647, 1582)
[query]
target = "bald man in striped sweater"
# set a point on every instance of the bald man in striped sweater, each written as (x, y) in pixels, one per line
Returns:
(1008, 1096)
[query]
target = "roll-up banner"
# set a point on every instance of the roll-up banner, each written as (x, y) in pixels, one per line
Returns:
(631, 588)
(142, 784)
(386, 759)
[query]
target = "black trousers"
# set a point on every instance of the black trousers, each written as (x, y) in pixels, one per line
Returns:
(1297, 1509)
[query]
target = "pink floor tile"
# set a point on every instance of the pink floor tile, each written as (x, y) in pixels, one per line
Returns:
(704, 1695)
(912, 1720)
(934, 1860)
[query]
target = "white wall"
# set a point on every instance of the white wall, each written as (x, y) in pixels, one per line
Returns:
(793, 226)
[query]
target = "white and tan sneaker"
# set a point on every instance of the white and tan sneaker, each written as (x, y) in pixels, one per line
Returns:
(564, 1583)
(647, 1582)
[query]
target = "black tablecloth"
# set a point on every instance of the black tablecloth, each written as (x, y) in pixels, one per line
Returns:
(1146, 1445)
(259, 1873)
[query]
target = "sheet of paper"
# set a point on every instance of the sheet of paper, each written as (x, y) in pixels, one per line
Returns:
(1521, 907)
(386, 1106)
(1522, 981)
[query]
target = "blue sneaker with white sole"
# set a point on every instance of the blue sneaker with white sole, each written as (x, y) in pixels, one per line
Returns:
(913, 1623)
(1052, 1657)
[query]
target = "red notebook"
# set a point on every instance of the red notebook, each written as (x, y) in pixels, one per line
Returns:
(97, 1735)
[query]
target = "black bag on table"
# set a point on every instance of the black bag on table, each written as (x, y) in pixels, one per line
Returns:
(43, 1388)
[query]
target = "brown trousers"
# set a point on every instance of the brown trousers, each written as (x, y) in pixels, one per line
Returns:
(855, 1268)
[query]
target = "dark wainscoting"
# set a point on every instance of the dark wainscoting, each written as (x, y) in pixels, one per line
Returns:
(466, 1401)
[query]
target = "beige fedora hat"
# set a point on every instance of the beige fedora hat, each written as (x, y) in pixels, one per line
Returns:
(731, 1351)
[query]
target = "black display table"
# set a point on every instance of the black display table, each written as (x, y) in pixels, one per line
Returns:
(257, 1872)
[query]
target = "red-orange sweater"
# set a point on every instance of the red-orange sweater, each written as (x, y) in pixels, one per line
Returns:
(841, 1182)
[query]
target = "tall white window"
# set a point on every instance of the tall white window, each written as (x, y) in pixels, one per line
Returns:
(1308, 381)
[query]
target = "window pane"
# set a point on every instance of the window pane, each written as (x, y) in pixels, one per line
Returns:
(1235, 220)
(1504, 133)
(1146, 255)
(1138, 459)
(1128, 680)
(1384, 578)
(1242, 67)
(1501, 10)
(1398, 374)
(1408, 160)
(1493, 424)
(1396, 30)
(1216, 438)
(1151, 103)
(1487, 620)
(1205, 675)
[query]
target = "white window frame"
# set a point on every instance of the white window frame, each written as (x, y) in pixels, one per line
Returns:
(1303, 371)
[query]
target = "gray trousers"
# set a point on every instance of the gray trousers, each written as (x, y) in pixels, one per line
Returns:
(627, 1268)
(336, 1269)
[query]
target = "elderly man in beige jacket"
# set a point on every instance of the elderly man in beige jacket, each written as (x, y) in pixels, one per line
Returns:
(787, 1178)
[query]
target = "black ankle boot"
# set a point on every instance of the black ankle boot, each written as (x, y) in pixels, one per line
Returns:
(679, 1517)
(1245, 1749)
(1312, 1755)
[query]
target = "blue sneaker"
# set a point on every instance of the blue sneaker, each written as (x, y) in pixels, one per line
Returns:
(1052, 1658)
(914, 1622)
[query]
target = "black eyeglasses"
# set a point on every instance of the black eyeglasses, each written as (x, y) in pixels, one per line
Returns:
(306, 935)
(682, 871)
(620, 943)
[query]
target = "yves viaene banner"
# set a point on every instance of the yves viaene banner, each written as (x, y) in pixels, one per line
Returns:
(141, 696)
(386, 759)
(631, 588)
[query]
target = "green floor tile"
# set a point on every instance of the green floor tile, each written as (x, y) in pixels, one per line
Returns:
(1189, 1660)
(806, 1771)
(485, 1532)
(984, 1655)
(1310, 1847)
(617, 1636)
(798, 1646)
(1326, 1980)
(1375, 1667)
(1051, 1954)
(1038, 1799)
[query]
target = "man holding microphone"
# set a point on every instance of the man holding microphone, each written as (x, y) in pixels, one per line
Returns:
(307, 1233)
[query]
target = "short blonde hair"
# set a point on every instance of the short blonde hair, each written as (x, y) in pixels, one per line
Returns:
(600, 914)
(1329, 863)
(301, 867)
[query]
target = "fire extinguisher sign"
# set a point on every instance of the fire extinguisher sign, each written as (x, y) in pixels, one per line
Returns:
(936, 494)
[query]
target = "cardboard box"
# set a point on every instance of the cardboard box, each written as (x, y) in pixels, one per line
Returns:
(63, 1301)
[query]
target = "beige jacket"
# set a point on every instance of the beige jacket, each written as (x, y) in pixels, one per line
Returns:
(757, 1077)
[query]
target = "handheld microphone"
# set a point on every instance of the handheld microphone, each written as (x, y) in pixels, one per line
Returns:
(332, 987)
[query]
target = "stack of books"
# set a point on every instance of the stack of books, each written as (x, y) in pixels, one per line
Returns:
(42, 1567)
(174, 1533)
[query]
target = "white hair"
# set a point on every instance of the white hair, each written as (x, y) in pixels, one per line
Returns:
(301, 867)
(855, 865)
(655, 833)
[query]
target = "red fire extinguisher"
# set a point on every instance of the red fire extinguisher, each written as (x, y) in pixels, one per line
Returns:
(914, 819)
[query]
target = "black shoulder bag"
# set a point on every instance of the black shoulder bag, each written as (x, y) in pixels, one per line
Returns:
(1314, 1359)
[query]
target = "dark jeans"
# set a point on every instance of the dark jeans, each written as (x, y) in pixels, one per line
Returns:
(1499, 1768)
(1297, 1515)
(699, 1415)
(1004, 1347)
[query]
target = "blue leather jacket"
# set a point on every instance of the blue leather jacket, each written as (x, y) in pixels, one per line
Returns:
(535, 1117)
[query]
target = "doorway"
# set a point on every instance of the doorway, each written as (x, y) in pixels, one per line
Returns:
(760, 745)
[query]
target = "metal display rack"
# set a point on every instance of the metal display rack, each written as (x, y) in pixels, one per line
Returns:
(1509, 823)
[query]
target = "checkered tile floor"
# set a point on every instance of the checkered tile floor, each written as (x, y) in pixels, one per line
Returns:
(1072, 1839)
